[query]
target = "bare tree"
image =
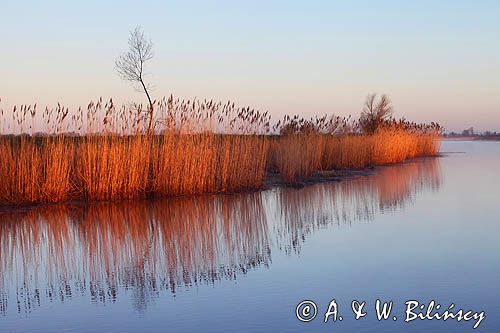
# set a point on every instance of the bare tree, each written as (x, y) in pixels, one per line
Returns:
(375, 114)
(130, 65)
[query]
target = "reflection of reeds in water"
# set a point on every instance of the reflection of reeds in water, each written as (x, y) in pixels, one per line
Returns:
(100, 251)
(96, 250)
(301, 211)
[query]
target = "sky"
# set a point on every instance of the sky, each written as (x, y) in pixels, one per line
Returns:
(437, 60)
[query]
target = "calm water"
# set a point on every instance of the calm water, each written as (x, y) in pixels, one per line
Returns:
(426, 230)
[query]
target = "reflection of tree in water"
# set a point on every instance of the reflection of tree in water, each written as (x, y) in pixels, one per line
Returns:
(301, 211)
(60, 252)
(143, 248)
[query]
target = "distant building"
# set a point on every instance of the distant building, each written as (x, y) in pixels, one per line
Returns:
(468, 132)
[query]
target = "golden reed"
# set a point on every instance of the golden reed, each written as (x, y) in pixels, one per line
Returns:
(324, 144)
(106, 153)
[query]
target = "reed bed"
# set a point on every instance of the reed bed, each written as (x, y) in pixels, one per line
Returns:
(202, 163)
(324, 144)
(106, 152)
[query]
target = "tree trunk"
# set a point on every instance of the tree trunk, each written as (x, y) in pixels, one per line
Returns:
(150, 106)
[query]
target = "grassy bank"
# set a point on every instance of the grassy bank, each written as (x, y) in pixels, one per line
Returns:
(105, 153)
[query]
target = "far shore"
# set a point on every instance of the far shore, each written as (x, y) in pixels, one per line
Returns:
(472, 138)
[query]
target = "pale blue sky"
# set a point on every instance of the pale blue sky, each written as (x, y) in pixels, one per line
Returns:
(438, 60)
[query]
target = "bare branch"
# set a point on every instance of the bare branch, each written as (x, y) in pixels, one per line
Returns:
(374, 115)
(130, 65)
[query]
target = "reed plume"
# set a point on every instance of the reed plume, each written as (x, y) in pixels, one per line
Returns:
(196, 146)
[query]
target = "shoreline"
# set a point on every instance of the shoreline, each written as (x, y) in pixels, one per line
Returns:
(472, 138)
(272, 180)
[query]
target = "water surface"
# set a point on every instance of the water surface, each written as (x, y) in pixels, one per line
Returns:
(425, 230)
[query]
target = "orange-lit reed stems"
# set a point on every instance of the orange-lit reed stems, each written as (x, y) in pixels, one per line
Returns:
(196, 147)
(298, 156)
